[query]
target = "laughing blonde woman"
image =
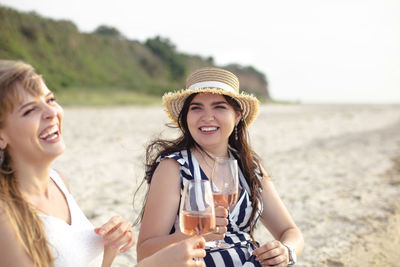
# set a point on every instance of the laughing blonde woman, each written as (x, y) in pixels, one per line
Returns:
(41, 225)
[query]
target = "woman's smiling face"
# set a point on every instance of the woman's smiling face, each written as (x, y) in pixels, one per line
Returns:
(32, 130)
(211, 120)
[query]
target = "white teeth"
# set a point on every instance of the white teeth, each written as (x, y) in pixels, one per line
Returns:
(52, 137)
(208, 129)
(51, 131)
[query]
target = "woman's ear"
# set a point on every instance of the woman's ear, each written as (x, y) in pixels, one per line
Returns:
(238, 117)
(3, 142)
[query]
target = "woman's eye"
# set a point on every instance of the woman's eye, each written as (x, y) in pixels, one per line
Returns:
(28, 111)
(223, 107)
(194, 108)
(52, 99)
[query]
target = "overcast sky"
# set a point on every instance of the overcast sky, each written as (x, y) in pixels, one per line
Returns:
(310, 50)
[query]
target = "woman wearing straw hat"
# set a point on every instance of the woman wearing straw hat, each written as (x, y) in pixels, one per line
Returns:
(213, 118)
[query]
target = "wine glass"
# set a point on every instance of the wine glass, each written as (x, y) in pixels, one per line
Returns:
(225, 187)
(196, 214)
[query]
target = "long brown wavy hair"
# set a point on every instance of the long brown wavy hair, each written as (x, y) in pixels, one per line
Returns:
(248, 159)
(26, 223)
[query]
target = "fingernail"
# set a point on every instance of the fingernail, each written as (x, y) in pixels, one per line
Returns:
(102, 231)
(113, 246)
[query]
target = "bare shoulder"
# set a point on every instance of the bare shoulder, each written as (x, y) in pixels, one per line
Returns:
(162, 201)
(166, 170)
(166, 179)
(265, 175)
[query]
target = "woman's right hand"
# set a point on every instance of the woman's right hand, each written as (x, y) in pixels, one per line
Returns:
(221, 223)
(180, 254)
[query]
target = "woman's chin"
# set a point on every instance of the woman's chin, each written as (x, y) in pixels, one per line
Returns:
(55, 152)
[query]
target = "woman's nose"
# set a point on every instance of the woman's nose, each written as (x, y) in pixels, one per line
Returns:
(50, 112)
(208, 115)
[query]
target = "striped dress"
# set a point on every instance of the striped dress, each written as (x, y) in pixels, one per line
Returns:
(240, 254)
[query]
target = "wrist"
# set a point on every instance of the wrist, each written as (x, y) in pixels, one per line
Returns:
(291, 253)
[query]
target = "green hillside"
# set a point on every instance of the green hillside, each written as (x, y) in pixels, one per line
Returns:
(75, 63)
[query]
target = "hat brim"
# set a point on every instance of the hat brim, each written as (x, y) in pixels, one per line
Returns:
(173, 102)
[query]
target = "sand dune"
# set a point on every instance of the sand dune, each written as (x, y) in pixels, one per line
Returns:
(333, 165)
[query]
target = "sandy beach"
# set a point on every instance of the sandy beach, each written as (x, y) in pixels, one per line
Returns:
(336, 167)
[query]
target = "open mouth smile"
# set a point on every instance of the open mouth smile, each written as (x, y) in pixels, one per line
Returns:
(208, 129)
(50, 133)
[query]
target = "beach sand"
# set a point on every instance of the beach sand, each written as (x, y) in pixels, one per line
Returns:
(336, 168)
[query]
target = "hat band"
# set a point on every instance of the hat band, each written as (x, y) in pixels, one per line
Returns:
(208, 84)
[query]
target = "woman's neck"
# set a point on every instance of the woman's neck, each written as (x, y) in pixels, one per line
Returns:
(214, 152)
(33, 180)
(208, 157)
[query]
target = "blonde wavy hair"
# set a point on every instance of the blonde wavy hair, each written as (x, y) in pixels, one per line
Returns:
(27, 225)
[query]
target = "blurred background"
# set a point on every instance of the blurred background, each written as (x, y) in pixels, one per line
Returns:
(298, 51)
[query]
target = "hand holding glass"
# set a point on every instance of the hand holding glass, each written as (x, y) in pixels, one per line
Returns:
(225, 186)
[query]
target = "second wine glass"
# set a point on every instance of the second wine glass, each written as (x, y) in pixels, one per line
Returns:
(225, 186)
(196, 214)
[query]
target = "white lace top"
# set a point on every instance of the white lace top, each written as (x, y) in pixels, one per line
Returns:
(75, 245)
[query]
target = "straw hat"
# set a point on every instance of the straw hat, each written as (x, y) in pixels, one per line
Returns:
(215, 81)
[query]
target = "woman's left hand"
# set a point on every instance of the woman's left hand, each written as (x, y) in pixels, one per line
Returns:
(116, 233)
(272, 253)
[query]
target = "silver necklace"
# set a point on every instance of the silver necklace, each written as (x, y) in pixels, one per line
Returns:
(204, 159)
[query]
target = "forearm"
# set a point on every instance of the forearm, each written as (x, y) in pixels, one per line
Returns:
(152, 245)
(109, 256)
(294, 238)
